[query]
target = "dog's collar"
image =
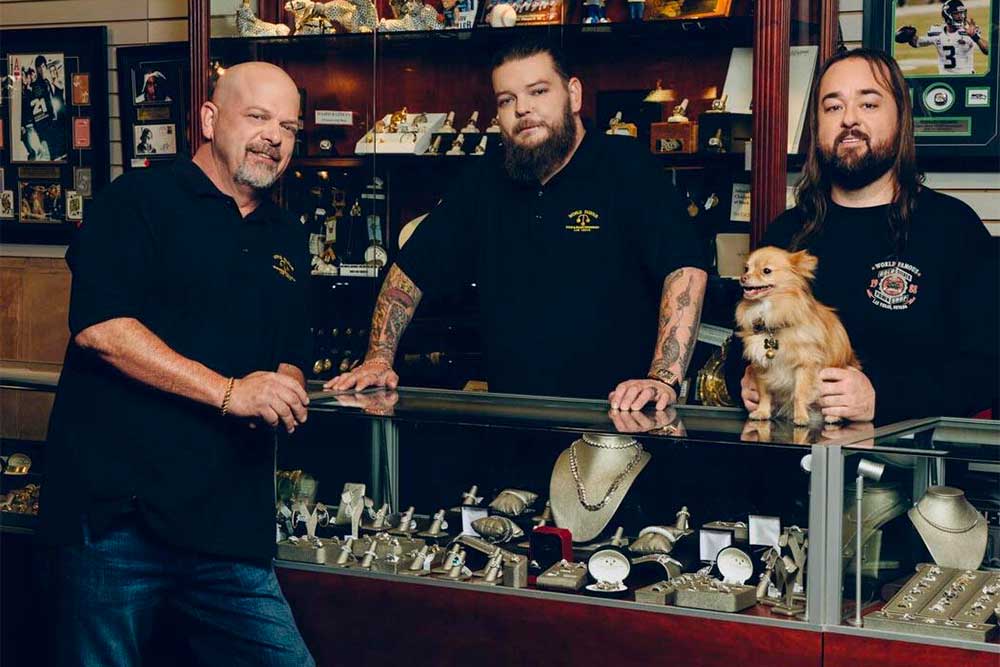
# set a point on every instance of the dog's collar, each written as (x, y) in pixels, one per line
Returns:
(759, 327)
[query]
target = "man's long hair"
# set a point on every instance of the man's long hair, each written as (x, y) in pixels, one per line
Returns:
(814, 185)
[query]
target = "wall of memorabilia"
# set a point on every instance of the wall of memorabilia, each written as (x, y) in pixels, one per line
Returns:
(53, 143)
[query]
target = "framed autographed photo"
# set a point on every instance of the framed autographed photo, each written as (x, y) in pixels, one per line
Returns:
(54, 119)
(947, 52)
(153, 110)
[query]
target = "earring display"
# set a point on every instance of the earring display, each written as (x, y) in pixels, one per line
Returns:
(660, 593)
(942, 602)
(700, 591)
(563, 576)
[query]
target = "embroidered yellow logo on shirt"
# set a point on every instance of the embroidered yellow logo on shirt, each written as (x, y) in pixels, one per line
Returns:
(283, 267)
(583, 221)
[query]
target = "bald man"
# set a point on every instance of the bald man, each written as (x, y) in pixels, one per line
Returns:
(188, 334)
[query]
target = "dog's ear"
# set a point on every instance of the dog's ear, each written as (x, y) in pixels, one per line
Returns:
(804, 264)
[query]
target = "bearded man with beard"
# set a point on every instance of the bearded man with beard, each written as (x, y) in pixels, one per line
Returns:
(189, 334)
(911, 272)
(586, 288)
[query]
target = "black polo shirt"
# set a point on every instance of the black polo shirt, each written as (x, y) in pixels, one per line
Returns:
(170, 250)
(569, 273)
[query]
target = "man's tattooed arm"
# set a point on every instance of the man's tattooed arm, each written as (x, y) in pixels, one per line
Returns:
(394, 309)
(680, 316)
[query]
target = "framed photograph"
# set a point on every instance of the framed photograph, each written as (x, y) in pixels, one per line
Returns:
(39, 118)
(6, 204)
(83, 181)
(81, 133)
(74, 205)
(155, 82)
(40, 201)
(947, 53)
(669, 10)
(155, 140)
(81, 90)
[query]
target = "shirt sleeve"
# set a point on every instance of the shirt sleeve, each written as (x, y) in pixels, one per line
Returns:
(663, 234)
(440, 256)
(111, 257)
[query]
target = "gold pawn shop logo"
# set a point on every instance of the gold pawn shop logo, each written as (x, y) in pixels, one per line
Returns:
(583, 221)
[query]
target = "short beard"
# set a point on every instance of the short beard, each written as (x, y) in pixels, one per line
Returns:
(859, 173)
(536, 163)
(258, 177)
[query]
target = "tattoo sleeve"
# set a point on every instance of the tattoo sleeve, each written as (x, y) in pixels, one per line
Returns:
(680, 315)
(394, 309)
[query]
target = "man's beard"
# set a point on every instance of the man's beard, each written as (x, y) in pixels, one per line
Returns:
(530, 164)
(258, 175)
(855, 173)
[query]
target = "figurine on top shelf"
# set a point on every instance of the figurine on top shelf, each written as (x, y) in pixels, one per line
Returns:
(248, 25)
(412, 16)
(313, 18)
(596, 11)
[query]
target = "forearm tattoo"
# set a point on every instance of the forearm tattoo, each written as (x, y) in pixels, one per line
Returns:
(680, 315)
(394, 308)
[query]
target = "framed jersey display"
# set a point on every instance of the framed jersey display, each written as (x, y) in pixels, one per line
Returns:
(948, 54)
(54, 119)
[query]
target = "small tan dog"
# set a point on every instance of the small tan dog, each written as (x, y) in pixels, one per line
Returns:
(788, 336)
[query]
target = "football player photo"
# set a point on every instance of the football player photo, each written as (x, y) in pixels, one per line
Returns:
(943, 39)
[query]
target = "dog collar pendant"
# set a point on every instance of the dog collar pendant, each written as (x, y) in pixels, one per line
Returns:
(770, 346)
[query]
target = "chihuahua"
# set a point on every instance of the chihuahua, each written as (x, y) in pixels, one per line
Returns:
(788, 336)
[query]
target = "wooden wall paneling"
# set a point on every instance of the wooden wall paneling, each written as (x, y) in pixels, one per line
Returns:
(11, 296)
(770, 120)
(44, 329)
(199, 20)
(24, 415)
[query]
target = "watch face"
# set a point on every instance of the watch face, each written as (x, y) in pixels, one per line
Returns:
(735, 566)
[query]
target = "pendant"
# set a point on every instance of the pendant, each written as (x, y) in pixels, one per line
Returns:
(770, 346)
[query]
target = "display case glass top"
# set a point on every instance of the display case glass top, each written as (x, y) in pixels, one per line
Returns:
(690, 423)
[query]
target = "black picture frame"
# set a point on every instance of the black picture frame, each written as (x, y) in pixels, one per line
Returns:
(135, 64)
(84, 51)
(955, 108)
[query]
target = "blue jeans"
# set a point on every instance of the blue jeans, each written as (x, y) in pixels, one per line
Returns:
(103, 596)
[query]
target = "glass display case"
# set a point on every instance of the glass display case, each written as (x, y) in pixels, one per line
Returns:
(928, 497)
(693, 510)
(690, 515)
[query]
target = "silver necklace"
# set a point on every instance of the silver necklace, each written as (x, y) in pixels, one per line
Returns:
(581, 491)
(587, 438)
